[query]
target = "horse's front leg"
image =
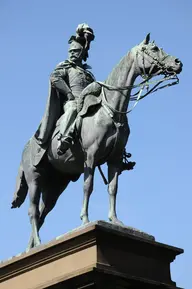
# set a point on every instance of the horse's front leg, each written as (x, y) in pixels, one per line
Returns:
(113, 173)
(89, 169)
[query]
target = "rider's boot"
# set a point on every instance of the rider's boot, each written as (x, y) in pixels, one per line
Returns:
(64, 143)
(67, 128)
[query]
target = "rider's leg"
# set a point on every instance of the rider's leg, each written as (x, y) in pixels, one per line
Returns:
(67, 127)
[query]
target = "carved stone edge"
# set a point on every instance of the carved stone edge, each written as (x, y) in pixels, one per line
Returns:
(121, 279)
(57, 248)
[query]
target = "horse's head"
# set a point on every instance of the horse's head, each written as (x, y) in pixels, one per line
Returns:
(152, 60)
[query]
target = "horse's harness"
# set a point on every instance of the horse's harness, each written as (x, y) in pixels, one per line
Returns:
(161, 68)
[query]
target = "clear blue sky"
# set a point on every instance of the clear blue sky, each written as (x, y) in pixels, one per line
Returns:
(156, 196)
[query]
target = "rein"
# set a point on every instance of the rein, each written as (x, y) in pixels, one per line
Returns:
(137, 96)
(144, 84)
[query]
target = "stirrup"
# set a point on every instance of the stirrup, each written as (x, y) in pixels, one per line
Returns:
(65, 142)
(65, 138)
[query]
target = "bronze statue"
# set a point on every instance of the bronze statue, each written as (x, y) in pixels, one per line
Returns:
(67, 81)
(99, 133)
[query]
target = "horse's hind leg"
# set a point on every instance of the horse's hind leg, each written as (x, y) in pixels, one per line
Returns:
(34, 195)
(49, 199)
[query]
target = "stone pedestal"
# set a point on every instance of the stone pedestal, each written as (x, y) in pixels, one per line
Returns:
(99, 255)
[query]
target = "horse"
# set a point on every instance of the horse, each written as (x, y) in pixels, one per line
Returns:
(102, 139)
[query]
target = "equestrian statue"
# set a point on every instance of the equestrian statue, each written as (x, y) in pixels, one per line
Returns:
(85, 125)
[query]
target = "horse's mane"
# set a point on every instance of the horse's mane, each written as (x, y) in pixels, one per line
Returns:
(118, 69)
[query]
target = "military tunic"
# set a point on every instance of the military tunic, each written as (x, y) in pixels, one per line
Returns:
(67, 81)
(70, 79)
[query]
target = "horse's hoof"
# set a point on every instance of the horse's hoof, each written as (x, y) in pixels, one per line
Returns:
(85, 220)
(62, 148)
(84, 223)
(116, 221)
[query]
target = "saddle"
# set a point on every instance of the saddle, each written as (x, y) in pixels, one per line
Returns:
(89, 97)
(88, 103)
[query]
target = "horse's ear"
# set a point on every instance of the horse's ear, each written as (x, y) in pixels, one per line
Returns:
(147, 39)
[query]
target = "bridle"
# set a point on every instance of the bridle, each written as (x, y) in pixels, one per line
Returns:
(161, 69)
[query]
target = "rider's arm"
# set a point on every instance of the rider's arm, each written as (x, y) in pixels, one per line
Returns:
(57, 78)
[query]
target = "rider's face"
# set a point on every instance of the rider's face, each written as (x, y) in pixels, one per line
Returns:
(75, 52)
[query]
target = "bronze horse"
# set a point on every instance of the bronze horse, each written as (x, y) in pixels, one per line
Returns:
(102, 139)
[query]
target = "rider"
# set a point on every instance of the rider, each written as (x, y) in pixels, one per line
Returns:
(67, 81)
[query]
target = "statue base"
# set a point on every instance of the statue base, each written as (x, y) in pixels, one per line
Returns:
(98, 255)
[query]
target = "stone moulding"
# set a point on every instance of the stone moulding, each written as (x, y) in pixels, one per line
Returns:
(91, 253)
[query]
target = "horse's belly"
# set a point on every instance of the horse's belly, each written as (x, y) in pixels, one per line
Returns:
(67, 168)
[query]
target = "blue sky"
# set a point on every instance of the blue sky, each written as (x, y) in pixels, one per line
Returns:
(156, 196)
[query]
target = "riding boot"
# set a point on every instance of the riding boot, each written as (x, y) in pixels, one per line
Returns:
(64, 143)
(67, 127)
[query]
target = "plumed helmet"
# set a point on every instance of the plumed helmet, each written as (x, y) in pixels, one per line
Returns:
(84, 36)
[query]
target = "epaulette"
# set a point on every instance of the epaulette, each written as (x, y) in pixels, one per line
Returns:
(63, 64)
(86, 66)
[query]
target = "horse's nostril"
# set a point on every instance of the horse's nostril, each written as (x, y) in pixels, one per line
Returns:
(177, 61)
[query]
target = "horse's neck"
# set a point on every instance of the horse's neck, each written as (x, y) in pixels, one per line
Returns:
(122, 75)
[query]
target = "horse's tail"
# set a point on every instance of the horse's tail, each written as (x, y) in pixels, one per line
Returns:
(21, 189)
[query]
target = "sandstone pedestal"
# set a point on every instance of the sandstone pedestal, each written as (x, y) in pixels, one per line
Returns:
(98, 255)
